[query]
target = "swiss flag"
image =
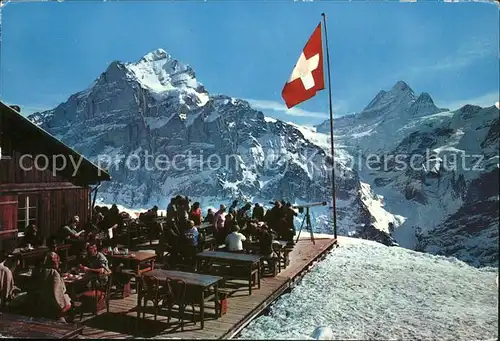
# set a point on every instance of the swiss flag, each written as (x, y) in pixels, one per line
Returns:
(307, 76)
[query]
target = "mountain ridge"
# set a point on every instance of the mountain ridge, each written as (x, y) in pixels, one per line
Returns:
(456, 152)
(156, 106)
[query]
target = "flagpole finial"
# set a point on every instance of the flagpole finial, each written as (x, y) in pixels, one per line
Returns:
(323, 14)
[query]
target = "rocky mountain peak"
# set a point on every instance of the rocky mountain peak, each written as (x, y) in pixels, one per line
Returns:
(162, 75)
(399, 98)
(401, 86)
(424, 98)
(424, 105)
(156, 55)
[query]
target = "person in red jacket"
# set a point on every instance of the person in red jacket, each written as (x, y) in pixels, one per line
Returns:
(195, 214)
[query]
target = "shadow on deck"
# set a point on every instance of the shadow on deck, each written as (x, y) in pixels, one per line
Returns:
(121, 322)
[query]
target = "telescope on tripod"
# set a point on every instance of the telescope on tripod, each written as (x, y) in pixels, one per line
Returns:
(307, 217)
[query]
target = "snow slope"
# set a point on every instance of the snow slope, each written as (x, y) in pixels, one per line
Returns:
(365, 290)
(434, 171)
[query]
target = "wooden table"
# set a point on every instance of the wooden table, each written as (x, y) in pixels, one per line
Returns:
(85, 277)
(75, 287)
(204, 226)
(138, 258)
(252, 262)
(24, 327)
(69, 283)
(193, 280)
(25, 255)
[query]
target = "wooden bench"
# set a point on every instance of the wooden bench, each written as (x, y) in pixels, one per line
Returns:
(221, 301)
(241, 265)
(236, 272)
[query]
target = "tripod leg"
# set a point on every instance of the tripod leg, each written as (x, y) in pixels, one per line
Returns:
(300, 230)
(309, 226)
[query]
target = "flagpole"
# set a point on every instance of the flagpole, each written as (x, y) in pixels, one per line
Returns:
(331, 129)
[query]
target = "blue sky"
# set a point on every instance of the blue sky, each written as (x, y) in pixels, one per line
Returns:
(248, 49)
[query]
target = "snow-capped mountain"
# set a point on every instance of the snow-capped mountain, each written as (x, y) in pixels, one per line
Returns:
(160, 134)
(435, 168)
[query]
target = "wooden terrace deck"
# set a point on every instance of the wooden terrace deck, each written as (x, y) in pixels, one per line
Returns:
(121, 321)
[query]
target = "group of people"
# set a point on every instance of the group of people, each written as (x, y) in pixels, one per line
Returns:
(103, 220)
(45, 289)
(279, 220)
(105, 223)
(231, 227)
(178, 233)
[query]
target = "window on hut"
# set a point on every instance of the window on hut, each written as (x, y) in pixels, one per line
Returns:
(27, 211)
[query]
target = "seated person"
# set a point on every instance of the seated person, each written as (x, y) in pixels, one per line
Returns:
(97, 216)
(32, 237)
(191, 240)
(191, 234)
(104, 210)
(170, 238)
(266, 243)
(234, 240)
(7, 287)
(70, 230)
(149, 215)
(97, 263)
(48, 294)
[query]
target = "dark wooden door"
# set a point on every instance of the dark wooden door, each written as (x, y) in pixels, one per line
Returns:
(8, 216)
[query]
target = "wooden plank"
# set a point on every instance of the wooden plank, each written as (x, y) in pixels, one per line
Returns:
(8, 215)
(241, 308)
(196, 279)
(229, 256)
(35, 187)
(17, 326)
(136, 256)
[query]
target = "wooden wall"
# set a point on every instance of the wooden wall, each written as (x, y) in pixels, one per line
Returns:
(12, 173)
(55, 208)
(58, 199)
(58, 206)
(8, 216)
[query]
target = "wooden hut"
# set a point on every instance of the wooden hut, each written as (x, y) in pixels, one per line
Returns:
(35, 187)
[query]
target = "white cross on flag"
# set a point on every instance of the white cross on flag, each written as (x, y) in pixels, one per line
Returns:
(307, 76)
